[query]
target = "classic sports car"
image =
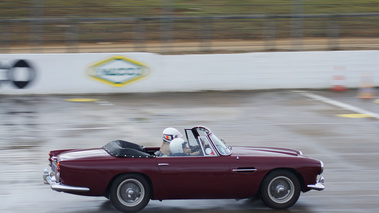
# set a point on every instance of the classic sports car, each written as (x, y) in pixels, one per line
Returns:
(130, 175)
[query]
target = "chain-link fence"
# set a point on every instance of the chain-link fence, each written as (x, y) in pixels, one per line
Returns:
(169, 26)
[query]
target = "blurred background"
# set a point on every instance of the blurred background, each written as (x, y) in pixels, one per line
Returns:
(32, 125)
(180, 26)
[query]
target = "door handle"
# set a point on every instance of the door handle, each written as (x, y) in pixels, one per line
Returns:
(163, 164)
(248, 170)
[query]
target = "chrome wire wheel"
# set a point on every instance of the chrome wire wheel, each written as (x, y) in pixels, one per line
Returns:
(281, 189)
(130, 192)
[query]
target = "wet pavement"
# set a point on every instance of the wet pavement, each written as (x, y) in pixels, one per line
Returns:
(31, 126)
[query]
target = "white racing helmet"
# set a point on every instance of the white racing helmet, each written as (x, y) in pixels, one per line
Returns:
(176, 146)
(170, 134)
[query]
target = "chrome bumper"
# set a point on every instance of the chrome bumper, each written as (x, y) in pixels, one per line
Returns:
(319, 185)
(49, 178)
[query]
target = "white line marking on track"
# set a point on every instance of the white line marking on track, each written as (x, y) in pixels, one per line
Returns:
(294, 124)
(77, 129)
(336, 103)
(80, 129)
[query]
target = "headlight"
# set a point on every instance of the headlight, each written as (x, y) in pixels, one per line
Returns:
(322, 167)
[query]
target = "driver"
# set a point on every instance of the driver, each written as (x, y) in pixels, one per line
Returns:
(180, 147)
(168, 135)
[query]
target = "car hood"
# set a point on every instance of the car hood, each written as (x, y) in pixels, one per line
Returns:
(82, 154)
(263, 151)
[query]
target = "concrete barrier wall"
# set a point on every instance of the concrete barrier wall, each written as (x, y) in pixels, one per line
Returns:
(148, 72)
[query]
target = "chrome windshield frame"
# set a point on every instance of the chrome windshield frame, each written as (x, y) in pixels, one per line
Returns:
(220, 145)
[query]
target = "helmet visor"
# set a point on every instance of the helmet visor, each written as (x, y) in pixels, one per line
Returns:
(168, 137)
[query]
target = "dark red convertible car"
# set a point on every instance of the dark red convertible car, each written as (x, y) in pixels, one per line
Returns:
(131, 175)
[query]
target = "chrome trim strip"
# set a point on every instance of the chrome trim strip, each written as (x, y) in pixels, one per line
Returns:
(244, 170)
(163, 164)
(64, 188)
(49, 178)
(319, 185)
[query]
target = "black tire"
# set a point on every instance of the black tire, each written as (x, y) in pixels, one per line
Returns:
(280, 189)
(130, 193)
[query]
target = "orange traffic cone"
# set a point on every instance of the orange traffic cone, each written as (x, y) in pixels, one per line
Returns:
(366, 90)
(338, 81)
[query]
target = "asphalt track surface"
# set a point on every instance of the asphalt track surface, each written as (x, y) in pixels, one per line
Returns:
(31, 126)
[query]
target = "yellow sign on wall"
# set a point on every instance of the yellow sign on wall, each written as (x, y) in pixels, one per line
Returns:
(118, 71)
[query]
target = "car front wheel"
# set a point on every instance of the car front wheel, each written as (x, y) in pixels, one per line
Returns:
(280, 189)
(130, 193)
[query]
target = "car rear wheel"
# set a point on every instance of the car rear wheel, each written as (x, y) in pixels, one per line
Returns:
(130, 193)
(280, 189)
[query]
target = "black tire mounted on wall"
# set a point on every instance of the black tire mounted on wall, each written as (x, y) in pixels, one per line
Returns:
(130, 193)
(280, 189)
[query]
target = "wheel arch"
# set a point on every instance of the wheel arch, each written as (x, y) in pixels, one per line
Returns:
(273, 197)
(108, 189)
(292, 170)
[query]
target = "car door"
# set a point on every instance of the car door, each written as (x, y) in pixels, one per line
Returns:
(194, 177)
(244, 176)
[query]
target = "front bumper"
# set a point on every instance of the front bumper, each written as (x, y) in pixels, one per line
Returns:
(49, 178)
(319, 185)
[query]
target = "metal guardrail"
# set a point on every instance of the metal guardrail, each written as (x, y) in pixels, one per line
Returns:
(188, 34)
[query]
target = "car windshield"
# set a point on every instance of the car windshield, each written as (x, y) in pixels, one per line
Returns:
(220, 145)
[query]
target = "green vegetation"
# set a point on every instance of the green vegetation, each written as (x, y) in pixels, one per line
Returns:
(145, 8)
(18, 29)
